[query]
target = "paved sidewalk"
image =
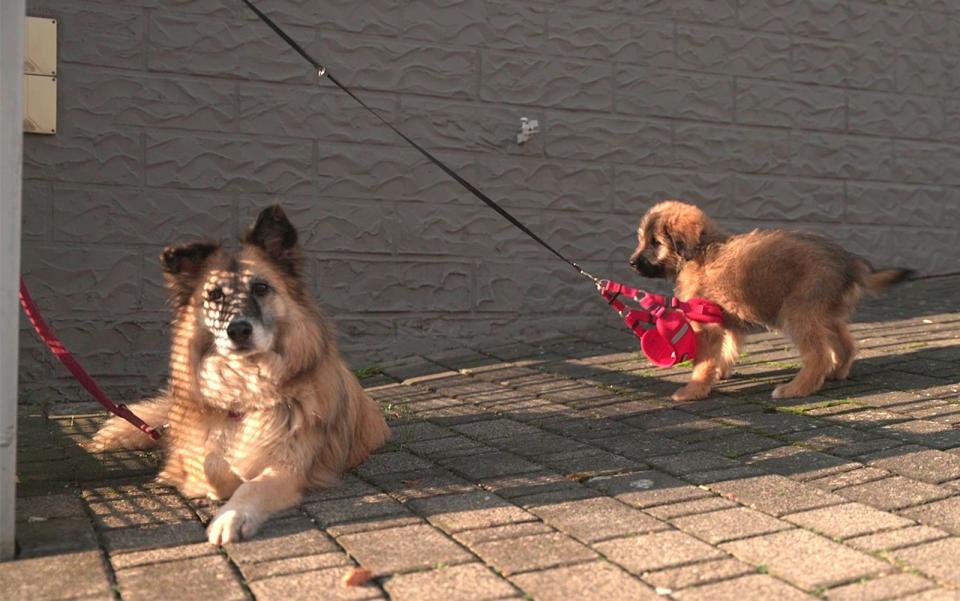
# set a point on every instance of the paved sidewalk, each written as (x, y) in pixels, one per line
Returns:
(560, 469)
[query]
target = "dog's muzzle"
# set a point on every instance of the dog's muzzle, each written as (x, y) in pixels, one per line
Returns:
(645, 268)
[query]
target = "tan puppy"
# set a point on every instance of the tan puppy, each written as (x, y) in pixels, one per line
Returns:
(802, 284)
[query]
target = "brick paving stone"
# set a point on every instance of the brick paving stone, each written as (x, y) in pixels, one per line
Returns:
(896, 539)
(657, 551)
(161, 555)
(640, 445)
(418, 432)
(469, 538)
(555, 496)
(468, 511)
(723, 475)
(293, 565)
(691, 461)
(280, 539)
(323, 582)
(729, 524)
(879, 589)
(698, 574)
(391, 463)
(349, 486)
(531, 483)
(417, 485)
(925, 432)
(937, 559)
(675, 510)
(598, 518)
(775, 494)
(852, 478)
(798, 463)
(919, 463)
(137, 511)
(588, 462)
(469, 582)
(496, 428)
(451, 446)
(489, 465)
(772, 424)
(756, 586)
(535, 552)
(48, 507)
(199, 578)
(847, 520)
(63, 576)
(356, 514)
(59, 535)
(939, 594)
(805, 559)
(148, 537)
(542, 443)
(402, 549)
(943, 514)
(597, 580)
(893, 493)
(735, 444)
(646, 488)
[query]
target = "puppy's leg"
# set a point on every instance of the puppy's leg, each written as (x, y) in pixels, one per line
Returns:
(812, 339)
(275, 489)
(732, 342)
(707, 365)
(845, 351)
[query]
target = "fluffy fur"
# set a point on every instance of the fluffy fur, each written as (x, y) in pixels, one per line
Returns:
(260, 405)
(802, 284)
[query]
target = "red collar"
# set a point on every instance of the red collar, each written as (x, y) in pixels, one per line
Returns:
(663, 323)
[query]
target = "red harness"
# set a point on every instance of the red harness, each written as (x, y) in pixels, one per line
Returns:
(663, 322)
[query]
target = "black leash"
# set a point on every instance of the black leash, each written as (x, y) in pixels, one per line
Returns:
(933, 276)
(322, 72)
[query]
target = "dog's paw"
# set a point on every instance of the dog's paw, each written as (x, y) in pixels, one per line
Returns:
(693, 391)
(231, 525)
(790, 391)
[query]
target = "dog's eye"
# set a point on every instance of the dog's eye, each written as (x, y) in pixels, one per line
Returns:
(260, 288)
(215, 294)
(654, 243)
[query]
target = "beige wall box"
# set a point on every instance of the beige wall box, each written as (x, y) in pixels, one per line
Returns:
(40, 76)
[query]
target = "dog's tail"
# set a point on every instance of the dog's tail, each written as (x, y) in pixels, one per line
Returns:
(118, 433)
(877, 281)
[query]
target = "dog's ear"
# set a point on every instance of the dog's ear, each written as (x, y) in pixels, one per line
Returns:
(276, 236)
(182, 265)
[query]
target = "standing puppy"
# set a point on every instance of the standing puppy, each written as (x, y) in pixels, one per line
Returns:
(260, 405)
(803, 284)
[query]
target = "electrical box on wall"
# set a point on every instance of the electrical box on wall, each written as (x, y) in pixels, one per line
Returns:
(40, 76)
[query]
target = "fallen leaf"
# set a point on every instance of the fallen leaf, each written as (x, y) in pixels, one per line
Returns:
(411, 482)
(356, 577)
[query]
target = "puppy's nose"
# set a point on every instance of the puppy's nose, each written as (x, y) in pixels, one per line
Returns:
(635, 261)
(239, 330)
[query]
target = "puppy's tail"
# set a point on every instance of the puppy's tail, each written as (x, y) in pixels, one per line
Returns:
(877, 281)
(118, 433)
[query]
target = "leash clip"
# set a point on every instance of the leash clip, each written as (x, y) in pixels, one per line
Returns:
(321, 72)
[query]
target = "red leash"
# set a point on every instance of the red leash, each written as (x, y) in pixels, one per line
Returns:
(66, 357)
(663, 322)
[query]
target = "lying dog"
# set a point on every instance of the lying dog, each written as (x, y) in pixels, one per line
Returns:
(803, 284)
(260, 405)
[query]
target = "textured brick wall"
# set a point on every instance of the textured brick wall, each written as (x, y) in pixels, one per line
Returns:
(180, 118)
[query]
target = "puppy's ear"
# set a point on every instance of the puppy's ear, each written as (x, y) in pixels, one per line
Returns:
(276, 236)
(182, 266)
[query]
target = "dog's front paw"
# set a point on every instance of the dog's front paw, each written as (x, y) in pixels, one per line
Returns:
(231, 525)
(693, 391)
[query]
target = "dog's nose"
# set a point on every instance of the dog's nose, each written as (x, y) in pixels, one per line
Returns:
(239, 330)
(635, 261)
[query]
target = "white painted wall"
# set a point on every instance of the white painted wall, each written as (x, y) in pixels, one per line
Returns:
(12, 13)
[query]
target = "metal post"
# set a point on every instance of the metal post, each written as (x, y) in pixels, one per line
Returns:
(12, 25)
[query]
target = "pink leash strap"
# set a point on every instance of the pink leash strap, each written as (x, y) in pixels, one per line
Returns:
(69, 361)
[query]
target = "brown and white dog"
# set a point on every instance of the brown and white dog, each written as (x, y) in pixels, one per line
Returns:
(802, 284)
(260, 405)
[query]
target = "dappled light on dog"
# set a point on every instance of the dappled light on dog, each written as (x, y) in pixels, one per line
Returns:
(259, 406)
